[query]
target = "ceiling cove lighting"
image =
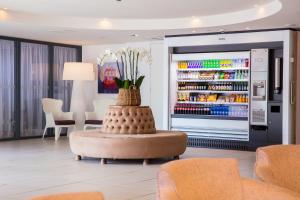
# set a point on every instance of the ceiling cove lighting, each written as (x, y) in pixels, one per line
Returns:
(196, 22)
(3, 15)
(261, 11)
(105, 24)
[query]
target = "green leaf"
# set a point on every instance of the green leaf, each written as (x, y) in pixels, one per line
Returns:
(126, 84)
(130, 83)
(119, 82)
(139, 82)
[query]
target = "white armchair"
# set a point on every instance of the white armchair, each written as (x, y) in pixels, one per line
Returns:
(95, 119)
(55, 117)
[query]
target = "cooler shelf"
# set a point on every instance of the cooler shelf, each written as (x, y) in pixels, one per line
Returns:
(191, 116)
(211, 69)
(219, 80)
(213, 103)
(213, 91)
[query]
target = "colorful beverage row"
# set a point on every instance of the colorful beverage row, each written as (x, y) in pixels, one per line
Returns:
(213, 87)
(216, 110)
(214, 63)
(214, 98)
(236, 75)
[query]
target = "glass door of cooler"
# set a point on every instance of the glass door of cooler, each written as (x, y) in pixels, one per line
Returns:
(210, 86)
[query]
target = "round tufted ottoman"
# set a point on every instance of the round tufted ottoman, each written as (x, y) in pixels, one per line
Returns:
(129, 120)
(97, 144)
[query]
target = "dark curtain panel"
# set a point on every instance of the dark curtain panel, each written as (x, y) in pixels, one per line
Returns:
(34, 87)
(6, 89)
(62, 89)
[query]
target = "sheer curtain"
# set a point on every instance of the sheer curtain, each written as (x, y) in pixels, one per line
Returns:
(6, 89)
(62, 89)
(34, 87)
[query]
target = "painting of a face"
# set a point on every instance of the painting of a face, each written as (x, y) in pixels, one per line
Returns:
(106, 75)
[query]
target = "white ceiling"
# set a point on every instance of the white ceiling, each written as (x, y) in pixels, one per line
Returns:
(109, 21)
(129, 8)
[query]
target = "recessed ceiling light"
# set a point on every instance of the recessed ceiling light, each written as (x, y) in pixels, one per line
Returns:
(194, 31)
(247, 28)
(221, 30)
(134, 35)
(5, 8)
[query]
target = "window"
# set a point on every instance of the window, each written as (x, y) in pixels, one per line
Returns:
(34, 87)
(62, 89)
(7, 81)
(29, 71)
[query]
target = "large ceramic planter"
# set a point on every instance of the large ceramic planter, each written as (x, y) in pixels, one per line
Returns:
(129, 97)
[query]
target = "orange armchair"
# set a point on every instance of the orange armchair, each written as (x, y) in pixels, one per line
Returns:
(279, 165)
(72, 196)
(213, 179)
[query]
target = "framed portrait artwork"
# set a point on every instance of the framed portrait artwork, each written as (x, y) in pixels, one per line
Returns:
(106, 74)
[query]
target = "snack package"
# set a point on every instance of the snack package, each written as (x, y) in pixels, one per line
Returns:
(232, 98)
(212, 98)
(202, 98)
(221, 99)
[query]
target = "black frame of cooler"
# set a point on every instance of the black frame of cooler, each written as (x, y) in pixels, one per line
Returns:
(258, 135)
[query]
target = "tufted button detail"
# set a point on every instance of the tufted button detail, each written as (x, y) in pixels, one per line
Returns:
(129, 120)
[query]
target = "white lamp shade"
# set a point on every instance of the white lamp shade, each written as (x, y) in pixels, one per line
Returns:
(79, 71)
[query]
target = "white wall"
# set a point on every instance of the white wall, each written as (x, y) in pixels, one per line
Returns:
(151, 90)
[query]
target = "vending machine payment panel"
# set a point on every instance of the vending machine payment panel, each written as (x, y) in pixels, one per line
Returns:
(259, 86)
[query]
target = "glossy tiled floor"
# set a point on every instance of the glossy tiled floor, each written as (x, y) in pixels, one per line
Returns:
(37, 167)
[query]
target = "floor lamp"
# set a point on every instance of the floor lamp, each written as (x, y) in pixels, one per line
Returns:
(79, 73)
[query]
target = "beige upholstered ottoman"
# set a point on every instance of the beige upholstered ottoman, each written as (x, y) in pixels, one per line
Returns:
(97, 144)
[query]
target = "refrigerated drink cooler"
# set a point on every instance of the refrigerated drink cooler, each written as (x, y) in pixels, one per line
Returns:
(227, 99)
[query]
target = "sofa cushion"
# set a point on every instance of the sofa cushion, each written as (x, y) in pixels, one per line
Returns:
(200, 179)
(64, 122)
(279, 165)
(257, 190)
(72, 196)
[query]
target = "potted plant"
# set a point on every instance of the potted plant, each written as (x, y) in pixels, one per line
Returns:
(130, 79)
